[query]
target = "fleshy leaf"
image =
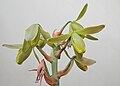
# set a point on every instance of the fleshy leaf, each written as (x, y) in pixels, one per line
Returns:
(78, 43)
(82, 12)
(45, 34)
(13, 46)
(78, 55)
(91, 30)
(32, 34)
(66, 70)
(87, 61)
(41, 43)
(91, 37)
(23, 52)
(74, 26)
(59, 38)
(81, 65)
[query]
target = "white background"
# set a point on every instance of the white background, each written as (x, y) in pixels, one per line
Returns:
(17, 15)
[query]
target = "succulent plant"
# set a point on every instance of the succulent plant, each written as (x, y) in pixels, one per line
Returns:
(37, 37)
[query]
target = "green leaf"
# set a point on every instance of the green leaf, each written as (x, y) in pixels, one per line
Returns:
(78, 55)
(87, 61)
(45, 34)
(91, 37)
(59, 38)
(78, 43)
(32, 34)
(91, 30)
(13, 46)
(23, 52)
(74, 26)
(81, 65)
(35, 41)
(41, 43)
(82, 12)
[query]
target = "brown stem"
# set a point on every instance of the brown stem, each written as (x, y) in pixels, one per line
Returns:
(63, 48)
(47, 57)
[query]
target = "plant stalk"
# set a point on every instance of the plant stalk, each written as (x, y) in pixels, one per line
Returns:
(54, 64)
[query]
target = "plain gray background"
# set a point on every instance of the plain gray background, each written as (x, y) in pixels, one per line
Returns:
(17, 15)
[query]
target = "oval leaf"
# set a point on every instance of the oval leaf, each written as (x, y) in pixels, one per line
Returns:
(13, 46)
(87, 61)
(78, 55)
(78, 43)
(59, 38)
(32, 34)
(81, 65)
(82, 12)
(91, 30)
(74, 26)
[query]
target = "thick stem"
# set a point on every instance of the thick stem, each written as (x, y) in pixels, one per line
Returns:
(55, 69)
(55, 64)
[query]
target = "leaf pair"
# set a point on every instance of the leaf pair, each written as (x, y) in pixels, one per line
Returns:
(32, 36)
(76, 27)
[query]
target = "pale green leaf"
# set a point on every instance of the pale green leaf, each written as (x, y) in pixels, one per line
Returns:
(91, 37)
(13, 46)
(34, 42)
(45, 34)
(23, 52)
(82, 12)
(78, 43)
(87, 61)
(41, 43)
(74, 26)
(26, 46)
(59, 38)
(31, 32)
(78, 55)
(91, 30)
